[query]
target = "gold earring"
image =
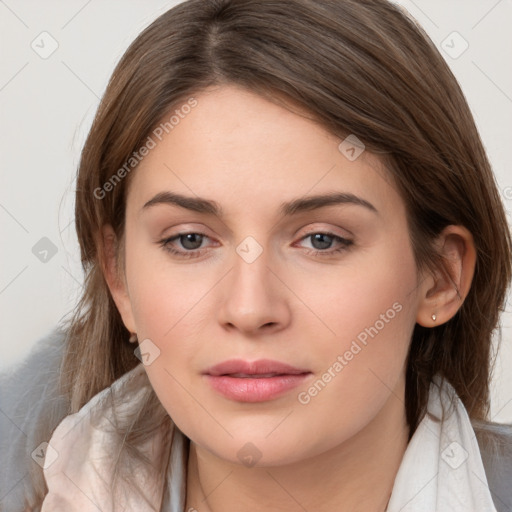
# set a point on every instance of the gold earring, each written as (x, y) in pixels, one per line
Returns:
(133, 338)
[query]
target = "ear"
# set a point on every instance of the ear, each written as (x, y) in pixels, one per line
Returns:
(115, 277)
(442, 295)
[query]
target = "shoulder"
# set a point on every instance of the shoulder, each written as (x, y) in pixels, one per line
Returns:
(31, 406)
(495, 441)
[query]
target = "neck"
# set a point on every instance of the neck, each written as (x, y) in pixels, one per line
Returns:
(355, 476)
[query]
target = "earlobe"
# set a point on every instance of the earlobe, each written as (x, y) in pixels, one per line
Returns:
(113, 277)
(444, 293)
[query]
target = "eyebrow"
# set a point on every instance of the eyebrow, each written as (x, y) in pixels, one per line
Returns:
(201, 205)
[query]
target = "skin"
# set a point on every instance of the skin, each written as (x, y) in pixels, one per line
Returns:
(342, 450)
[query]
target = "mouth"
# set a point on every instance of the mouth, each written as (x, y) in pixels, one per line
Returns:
(256, 381)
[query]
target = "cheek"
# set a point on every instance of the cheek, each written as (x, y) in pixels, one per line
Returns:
(370, 298)
(170, 304)
(164, 295)
(166, 313)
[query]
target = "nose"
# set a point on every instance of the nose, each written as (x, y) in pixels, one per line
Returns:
(254, 299)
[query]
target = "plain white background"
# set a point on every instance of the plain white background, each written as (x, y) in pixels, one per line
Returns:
(47, 103)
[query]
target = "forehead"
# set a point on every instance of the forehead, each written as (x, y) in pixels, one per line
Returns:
(235, 146)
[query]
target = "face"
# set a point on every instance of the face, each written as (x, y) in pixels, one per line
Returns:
(272, 278)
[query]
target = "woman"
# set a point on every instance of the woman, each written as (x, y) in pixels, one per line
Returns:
(288, 208)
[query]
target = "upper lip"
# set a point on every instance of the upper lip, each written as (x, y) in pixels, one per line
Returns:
(259, 367)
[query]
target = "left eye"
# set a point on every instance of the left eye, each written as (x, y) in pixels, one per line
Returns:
(322, 241)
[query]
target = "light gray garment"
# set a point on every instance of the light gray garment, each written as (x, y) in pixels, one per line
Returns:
(29, 397)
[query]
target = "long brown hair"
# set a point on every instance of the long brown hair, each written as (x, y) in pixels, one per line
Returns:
(356, 66)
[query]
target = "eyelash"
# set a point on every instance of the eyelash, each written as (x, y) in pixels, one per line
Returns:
(195, 253)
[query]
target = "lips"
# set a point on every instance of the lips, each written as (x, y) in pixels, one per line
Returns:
(255, 381)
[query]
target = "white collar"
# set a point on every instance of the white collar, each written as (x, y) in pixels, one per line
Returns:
(441, 470)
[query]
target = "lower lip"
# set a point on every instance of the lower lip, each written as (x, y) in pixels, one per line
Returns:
(255, 390)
